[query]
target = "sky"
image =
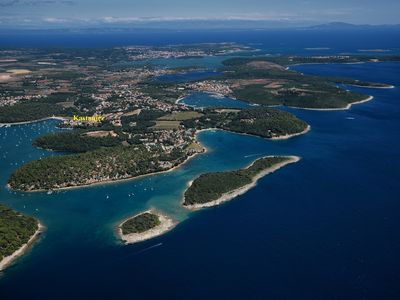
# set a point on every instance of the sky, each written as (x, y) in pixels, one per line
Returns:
(92, 13)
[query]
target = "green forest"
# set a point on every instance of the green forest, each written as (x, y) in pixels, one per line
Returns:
(263, 122)
(99, 159)
(15, 230)
(37, 109)
(287, 87)
(211, 186)
(29, 111)
(102, 164)
(140, 223)
(74, 142)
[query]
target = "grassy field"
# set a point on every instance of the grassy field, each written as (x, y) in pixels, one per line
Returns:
(227, 110)
(181, 116)
(166, 125)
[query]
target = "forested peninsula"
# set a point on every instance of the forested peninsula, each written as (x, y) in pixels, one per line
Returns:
(104, 156)
(101, 165)
(266, 81)
(17, 232)
(263, 122)
(212, 189)
(43, 107)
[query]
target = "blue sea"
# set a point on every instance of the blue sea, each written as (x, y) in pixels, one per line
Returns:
(326, 227)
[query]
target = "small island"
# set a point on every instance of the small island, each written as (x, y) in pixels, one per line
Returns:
(17, 233)
(212, 189)
(144, 226)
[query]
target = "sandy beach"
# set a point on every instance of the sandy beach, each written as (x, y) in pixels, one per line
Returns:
(6, 261)
(166, 225)
(4, 77)
(179, 100)
(230, 195)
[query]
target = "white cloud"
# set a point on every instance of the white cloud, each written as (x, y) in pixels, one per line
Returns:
(55, 20)
(12, 3)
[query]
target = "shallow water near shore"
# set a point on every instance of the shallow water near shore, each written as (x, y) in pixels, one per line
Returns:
(201, 99)
(325, 227)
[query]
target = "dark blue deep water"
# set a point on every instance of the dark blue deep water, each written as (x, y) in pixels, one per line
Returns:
(293, 41)
(324, 228)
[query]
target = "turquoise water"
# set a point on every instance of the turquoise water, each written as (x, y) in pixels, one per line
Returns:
(324, 228)
(201, 99)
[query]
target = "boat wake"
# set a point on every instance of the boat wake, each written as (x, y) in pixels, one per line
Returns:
(251, 155)
(149, 248)
(140, 252)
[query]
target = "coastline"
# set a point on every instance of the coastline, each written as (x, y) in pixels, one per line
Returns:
(218, 95)
(288, 136)
(339, 63)
(281, 137)
(33, 121)
(348, 106)
(179, 100)
(237, 192)
(288, 67)
(166, 225)
(8, 260)
(388, 86)
(110, 181)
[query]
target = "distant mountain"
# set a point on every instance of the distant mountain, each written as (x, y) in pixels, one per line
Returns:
(348, 26)
(195, 24)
